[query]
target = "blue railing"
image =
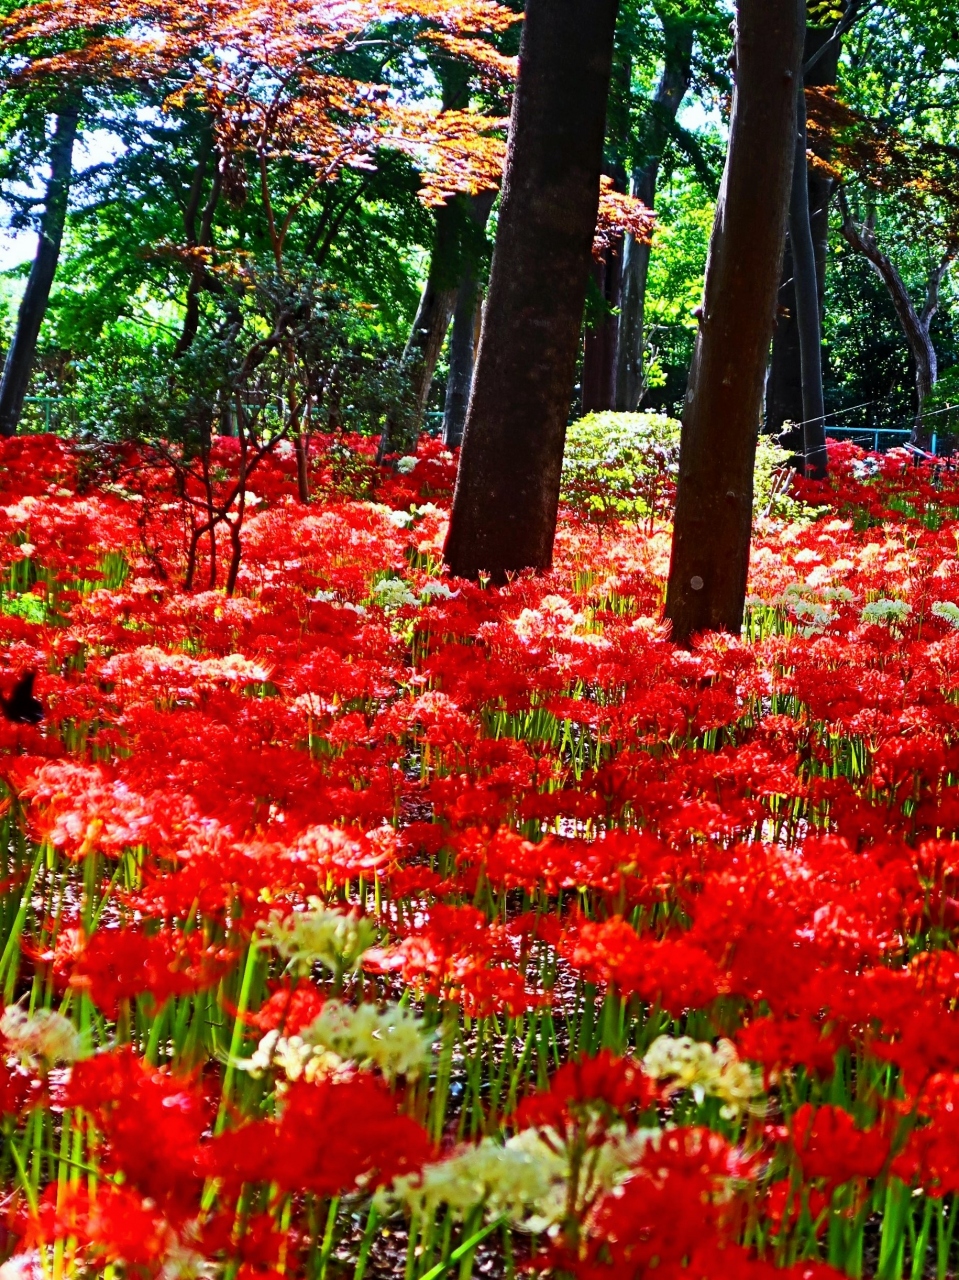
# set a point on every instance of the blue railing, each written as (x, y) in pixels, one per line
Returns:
(877, 439)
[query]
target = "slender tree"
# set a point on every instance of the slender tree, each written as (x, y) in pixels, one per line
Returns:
(916, 321)
(22, 351)
(462, 350)
(806, 294)
(710, 554)
(601, 337)
(507, 490)
(438, 299)
(678, 33)
(784, 385)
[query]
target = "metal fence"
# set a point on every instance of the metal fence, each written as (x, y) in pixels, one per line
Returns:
(60, 414)
(877, 439)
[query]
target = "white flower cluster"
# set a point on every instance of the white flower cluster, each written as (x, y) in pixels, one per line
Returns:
(886, 613)
(393, 1040)
(811, 606)
(406, 464)
(395, 593)
(41, 1039)
(525, 1179)
(947, 611)
(708, 1071)
(330, 597)
(436, 590)
(320, 935)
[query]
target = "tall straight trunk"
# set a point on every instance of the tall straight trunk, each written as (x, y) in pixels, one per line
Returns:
(507, 490)
(463, 337)
(600, 339)
(438, 299)
(807, 306)
(784, 384)
(462, 359)
(710, 553)
(434, 312)
(23, 346)
(672, 88)
(428, 333)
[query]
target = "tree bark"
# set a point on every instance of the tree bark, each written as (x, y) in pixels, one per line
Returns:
(600, 340)
(199, 234)
(915, 324)
(507, 490)
(807, 321)
(710, 553)
(428, 333)
(784, 384)
(438, 298)
(462, 355)
(462, 339)
(23, 346)
(672, 89)
(435, 311)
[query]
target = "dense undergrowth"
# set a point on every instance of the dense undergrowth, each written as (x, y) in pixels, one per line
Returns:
(371, 924)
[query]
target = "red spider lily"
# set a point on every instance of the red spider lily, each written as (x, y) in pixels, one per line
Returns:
(111, 1224)
(591, 1092)
(152, 1124)
(117, 964)
(330, 1138)
(830, 1145)
(675, 1203)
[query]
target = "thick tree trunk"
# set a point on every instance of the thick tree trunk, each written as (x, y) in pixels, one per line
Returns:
(507, 490)
(670, 92)
(807, 307)
(915, 325)
(600, 341)
(710, 554)
(23, 346)
(784, 384)
(463, 337)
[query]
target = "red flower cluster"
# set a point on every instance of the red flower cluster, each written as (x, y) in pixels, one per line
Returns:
(361, 855)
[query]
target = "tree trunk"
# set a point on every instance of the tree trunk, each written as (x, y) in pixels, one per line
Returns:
(670, 92)
(600, 340)
(507, 490)
(461, 362)
(915, 325)
(33, 308)
(463, 339)
(710, 554)
(807, 307)
(784, 384)
(438, 298)
(436, 307)
(428, 333)
(199, 234)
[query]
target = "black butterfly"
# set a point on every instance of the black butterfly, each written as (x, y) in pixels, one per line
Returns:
(22, 707)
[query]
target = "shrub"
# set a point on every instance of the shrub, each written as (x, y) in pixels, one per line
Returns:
(624, 466)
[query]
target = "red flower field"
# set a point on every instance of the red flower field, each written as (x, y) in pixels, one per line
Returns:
(371, 923)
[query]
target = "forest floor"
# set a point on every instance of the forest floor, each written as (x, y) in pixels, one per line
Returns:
(586, 954)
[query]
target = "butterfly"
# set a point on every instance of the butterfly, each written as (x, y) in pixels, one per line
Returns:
(22, 707)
